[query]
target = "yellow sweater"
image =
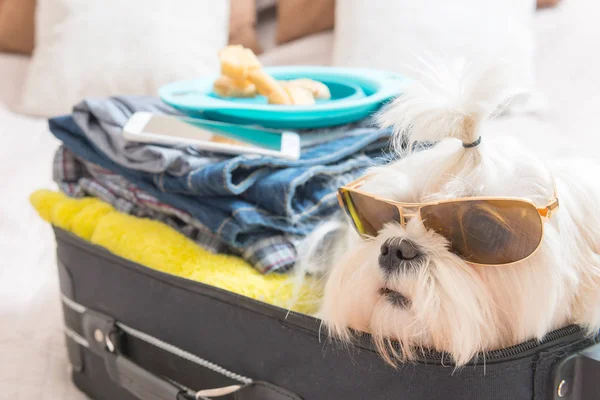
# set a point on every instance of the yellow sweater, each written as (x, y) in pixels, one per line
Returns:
(158, 246)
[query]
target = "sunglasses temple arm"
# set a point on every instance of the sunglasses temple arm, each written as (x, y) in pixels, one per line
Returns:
(547, 211)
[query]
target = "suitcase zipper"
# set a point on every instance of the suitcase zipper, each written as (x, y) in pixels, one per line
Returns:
(532, 344)
(573, 332)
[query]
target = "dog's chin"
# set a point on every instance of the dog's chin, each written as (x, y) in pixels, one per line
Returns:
(395, 298)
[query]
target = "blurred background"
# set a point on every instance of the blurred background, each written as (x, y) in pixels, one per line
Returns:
(53, 53)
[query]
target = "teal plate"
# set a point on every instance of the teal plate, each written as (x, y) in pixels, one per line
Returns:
(355, 94)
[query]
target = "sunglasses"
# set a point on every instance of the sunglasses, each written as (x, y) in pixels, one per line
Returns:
(481, 230)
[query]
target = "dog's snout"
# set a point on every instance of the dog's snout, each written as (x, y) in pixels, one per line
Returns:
(402, 249)
(395, 251)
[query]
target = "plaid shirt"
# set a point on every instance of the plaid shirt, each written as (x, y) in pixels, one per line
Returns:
(78, 178)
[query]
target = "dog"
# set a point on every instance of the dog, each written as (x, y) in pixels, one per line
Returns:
(408, 285)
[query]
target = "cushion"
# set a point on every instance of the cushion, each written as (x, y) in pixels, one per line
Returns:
(299, 18)
(17, 25)
(100, 48)
(397, 35)
(242, 24)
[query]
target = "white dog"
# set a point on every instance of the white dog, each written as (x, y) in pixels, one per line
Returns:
(408, 284)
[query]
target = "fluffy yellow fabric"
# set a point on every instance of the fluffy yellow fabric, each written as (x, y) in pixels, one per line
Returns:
(158, 246)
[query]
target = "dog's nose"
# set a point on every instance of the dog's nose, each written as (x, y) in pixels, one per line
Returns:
(395, 251)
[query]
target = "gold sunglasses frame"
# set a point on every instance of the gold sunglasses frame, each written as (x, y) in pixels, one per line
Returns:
(545, 213)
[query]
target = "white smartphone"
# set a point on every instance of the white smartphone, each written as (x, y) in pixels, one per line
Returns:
(213, 136)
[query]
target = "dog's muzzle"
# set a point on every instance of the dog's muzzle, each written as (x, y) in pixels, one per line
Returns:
(396, 254)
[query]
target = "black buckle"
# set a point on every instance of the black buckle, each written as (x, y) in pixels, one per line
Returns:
(106, 340)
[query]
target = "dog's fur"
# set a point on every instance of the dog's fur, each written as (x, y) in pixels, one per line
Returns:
(457, 307)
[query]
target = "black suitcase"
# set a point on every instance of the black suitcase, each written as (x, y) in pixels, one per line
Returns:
(136, 333)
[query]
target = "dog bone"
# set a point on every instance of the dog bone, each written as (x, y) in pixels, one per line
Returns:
(241, 65)
(299, 95)
(269, 87)
(238, 62)
(224, 86)
(319, 90)
(241, 68)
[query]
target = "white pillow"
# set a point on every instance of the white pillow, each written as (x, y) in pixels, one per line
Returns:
(394, 34)
(100, 48)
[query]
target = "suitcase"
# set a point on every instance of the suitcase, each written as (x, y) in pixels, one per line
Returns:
(136, 333)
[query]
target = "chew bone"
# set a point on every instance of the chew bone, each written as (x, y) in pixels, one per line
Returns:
(237, 62)
(319, 90)
(224, 86)
(298, 95)
(241, 65)
(269, 87)
(243, 76)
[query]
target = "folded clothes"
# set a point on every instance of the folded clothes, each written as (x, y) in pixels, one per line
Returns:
(156, 245)
(245, 200)
(285, 188)
(78, 178)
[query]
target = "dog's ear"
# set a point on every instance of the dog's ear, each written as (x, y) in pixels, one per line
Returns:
(448, 101)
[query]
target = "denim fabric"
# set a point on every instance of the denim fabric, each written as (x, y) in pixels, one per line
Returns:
(247, 200)
(77, 178)
(282, 187)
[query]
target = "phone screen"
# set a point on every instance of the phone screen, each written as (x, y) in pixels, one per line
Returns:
(189, 128)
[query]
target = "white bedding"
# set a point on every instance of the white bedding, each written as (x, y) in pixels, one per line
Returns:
(34, 363)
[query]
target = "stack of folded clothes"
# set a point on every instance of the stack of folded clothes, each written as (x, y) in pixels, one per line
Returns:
(257, 207)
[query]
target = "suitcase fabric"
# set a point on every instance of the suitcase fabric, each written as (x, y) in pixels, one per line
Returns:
(136, 333)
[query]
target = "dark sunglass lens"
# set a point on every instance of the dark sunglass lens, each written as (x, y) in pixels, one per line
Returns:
(490, 232)
(369, 215)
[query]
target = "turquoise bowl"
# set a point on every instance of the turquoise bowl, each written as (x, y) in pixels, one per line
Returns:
(355, 94)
